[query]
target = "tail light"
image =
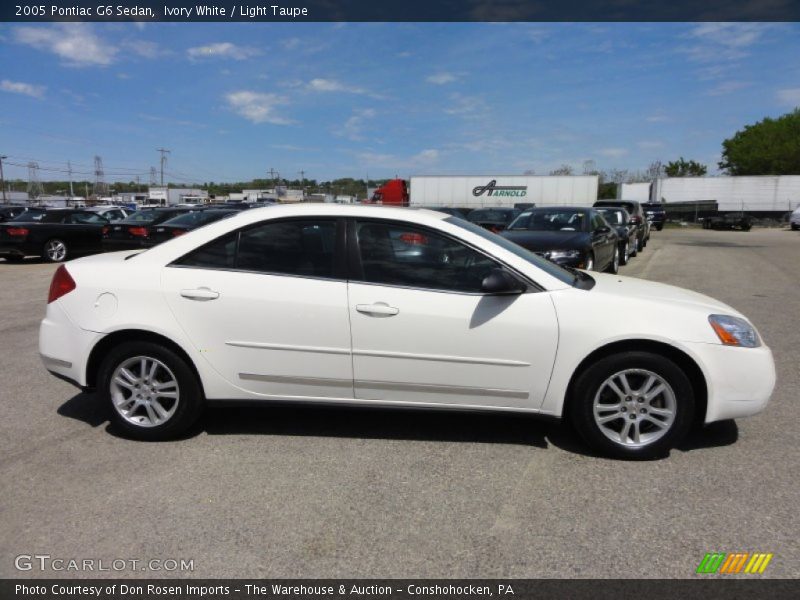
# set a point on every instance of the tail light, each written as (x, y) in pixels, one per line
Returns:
(414, 238)
(17, 231)
(177, 232)
(138, 231)
(62, 284)
(636, 219)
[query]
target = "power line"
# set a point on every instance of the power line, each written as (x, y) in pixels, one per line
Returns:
(164, 153)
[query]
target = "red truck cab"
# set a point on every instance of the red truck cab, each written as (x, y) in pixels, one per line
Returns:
(392, 193)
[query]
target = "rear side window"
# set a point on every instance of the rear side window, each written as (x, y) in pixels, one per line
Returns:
(302, 248)
(290, 247)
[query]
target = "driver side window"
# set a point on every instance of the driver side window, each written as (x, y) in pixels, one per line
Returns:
(396, 254)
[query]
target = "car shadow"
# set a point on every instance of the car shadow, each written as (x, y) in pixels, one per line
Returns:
(390, 424)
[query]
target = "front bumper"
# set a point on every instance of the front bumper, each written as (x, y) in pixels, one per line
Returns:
(740, 381)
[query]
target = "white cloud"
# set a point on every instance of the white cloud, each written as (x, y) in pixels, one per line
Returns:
(144, 48)
(256, 106)
(222, 50)
(332, 85)
(429, 155)
(27, 89)
(418, 160)
(724, 41)
(465, 106)
(727, 87)
(650, 144)
(76, 43)
(789, 96)
(441, 78)
(354, 126)
(657, 118)
(613, 152)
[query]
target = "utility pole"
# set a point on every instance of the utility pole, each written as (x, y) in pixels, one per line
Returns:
(69, 169)
(164, 153)
(274, 175)
(3, 181)
(302, 183)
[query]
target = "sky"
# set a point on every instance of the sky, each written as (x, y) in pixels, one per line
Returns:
(231, 101)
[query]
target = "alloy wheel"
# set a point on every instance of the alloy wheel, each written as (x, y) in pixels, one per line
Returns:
(144, 391)
(634, 407)
(55, 250)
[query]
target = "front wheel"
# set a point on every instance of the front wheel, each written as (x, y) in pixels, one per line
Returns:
(55, 251)
(625, 254)
(153, 394)
(590, 262)
(632, 405)
(613, 266)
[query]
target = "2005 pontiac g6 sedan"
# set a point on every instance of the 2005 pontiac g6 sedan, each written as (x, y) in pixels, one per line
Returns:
(379, 306)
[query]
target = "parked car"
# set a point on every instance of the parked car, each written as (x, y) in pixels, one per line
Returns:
(112, 213)
(294, 304)
(58, 235)
(184, 223)
(494, 219)
(729, 221)
(634, 209)
(620, 220)
(570, 236)
(131, 233)
(11, 212)
(655, 214)
(794, 219)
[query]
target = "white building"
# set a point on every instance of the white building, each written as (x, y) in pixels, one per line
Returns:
(171, 196)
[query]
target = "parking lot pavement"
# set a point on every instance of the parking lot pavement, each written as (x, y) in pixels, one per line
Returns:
(282, 492)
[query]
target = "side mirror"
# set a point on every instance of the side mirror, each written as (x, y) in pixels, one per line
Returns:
(500, 281)
(602, 229)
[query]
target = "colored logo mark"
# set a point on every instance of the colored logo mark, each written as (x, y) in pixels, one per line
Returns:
(735, 562)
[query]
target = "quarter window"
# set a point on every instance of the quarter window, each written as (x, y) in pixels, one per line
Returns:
(395, 254)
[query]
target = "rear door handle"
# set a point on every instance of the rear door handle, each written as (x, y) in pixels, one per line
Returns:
(379, 309)
(202, 294)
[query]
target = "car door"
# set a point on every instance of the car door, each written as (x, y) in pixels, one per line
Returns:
(266, 306)
(602, 241)
(423, 332)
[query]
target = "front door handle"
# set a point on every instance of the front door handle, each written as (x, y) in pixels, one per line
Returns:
(202, 294)
(379, 309)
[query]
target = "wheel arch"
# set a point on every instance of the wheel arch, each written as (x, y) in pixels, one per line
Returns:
(676, 355)
(105, 344)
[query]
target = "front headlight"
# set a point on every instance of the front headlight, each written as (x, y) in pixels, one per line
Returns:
(555, 254)
(733, 331)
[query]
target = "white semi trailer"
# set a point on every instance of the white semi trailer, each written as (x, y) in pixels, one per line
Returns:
(503, 190)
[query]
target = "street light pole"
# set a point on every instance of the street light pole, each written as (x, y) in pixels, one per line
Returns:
(3, 181)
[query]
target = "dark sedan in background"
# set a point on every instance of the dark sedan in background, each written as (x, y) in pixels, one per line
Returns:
(186, 222)
(620, 219)
(11, 212)
(636, 212)
(493, 219)
(577, 237)
(58, 235)
(655, 214)
(132, 233)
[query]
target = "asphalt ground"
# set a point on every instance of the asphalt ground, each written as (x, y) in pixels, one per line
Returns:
(312, 492)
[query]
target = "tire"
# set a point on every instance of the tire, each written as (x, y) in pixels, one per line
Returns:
(613, 266)
(593, 398)
(590, 262)
(639, 244)
(659, 227)
(795, 227)
(624, 255)
(55, 251)
(175, 378)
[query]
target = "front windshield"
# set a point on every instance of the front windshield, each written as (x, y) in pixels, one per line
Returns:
(545, 265)
(615, 217)
(27, 216)
(551, 219)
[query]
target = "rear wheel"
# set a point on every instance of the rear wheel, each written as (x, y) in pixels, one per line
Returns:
(153, 394)
(55, 251)
(625, 254)
(632, 405)
(639, 244)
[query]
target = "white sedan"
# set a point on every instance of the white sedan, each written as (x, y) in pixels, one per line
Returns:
(378, 306)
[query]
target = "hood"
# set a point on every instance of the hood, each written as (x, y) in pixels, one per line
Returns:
(540, 241)
(632, 287)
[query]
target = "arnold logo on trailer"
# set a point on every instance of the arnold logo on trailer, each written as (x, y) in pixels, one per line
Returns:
(492, 189)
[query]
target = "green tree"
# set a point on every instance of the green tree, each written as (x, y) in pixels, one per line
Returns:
(685, 168)
(769, 147)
